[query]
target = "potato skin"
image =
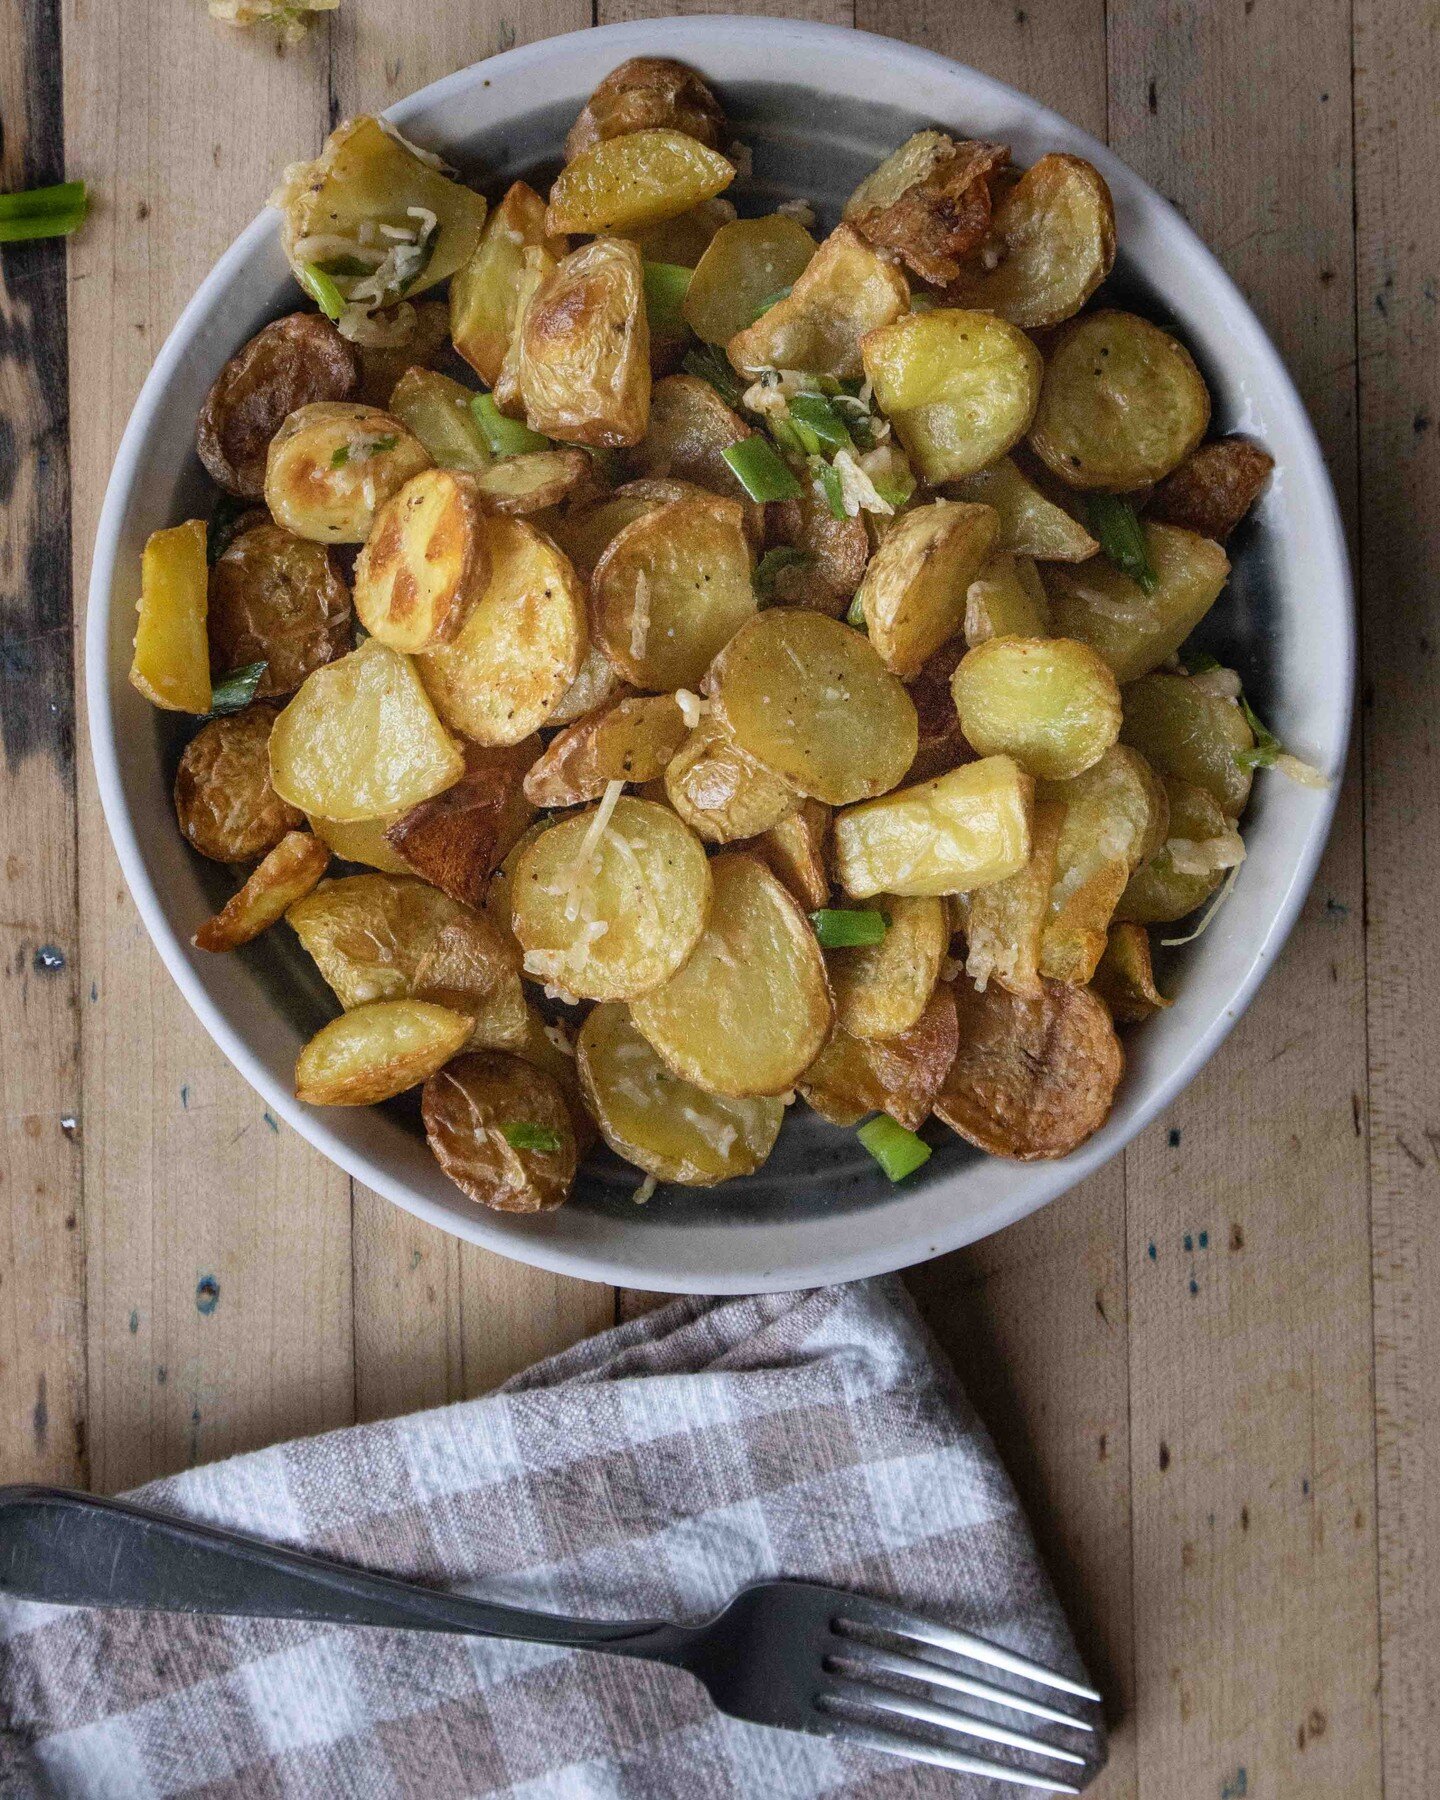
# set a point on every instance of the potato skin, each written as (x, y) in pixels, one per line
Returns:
(900, 1075)
(460, 837)
(278, 599)
(226, 806)
(933, 211)
(584, 348)
(466, 1106)
(647, 93)
(286, 875)
(846, 291)
(1214, 488)
(289, 363)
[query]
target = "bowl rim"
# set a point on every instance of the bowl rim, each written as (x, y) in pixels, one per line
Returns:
(882, 1252)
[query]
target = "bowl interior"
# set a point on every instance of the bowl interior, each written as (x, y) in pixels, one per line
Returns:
(820, 1209)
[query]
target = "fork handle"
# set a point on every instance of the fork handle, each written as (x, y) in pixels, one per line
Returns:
(77, 1549)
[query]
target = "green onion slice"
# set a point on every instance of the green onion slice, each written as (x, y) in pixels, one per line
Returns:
(44, 212)
(525, 1136)
(351, 267)
(769, 301)
(817, 415)
(788, 436)
(898, 1151)
(840, 928)
(760, 471)
(773, 562)
(665, 289)
(322, 290)
(830, 487)
(712, 365)
(219, 534)
(233, 692)
(1114, 522)
(506, 437)
(1267, 750)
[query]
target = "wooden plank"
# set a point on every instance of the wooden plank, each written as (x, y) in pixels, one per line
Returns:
(41, 1233)
(1251, 1443)
(1397, 269)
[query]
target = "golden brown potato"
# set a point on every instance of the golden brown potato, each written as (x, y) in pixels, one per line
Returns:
(1122, 404)
(913, 594)
(900, 1075)
(285, 366)
(1182, 728)
(286, 875)
(437, 410)
(598, 684)
(425, 564)
(746, 263)
(1125, 978)
(528, 484)
(422, 336)
(497, 904)
(1051, 703)
(550, 1045)
(809, 698)
(332, 464)
(846, 290)
(460, 837)
(1201, 846)
(929, 202)
(690, 426)
(631, 741)
(720, 791)
(1135, 631)
(359, 841)
(484, 294)
(647, 93)
(277, 599)
(1214, 488)
(663, 1124)
(750, 1008)
(1005, 922)
(361, 740)
(584, 348)
(1034, 1076)
(501, 1130)
(794, 851)
(946, 836)
(376, 1051)
(627, 183)
(226, 806)
(171, 663)
(684, 239)
(537, 265)
(587, 528)
(881, 989)
(941, 746)
(1006, 599)
(1030, 523)
(469, 967)
(521, 646)
(833, 554)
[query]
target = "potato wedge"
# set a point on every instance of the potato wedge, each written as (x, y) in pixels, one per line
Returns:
(521, 646)
(459, 838)
(941, 746)
(1201, 845)
(537, 265)
(913, 594)
(745, 264)
(469, 967)
(333, 464)
(584, 348)
(846, 290)
(1006, 599)
(277, 599)
(501, 1130)
(671, 591)
(1125, 978)
(484, 293)
(528, 484)
(1122, 404)
(1135, 631)
(425, 564)
(750, 1008)
(959, 387)
(684, 239)
(631, 741)
(421, 334)
(1055, 230)
(1005, 922)
(794, 851)
(437, 410)
(810, 699)
(171, 664)
(224, 802)
(647, 93)
(720, 791)
(1214, 488)
(663, 1124)
(1034, 1075)
(359, 841)
(361, 740)
(598, 684)
(627, 183)
(1030, 523)
(929, 203)
(285, 366)
(286, 875)
(690, 426)
(608, 903)
(946, 836)
(881, 989)
(1184, 729)
(376, 1051)
(899, 1075)
(833, 554)
(1051, 703)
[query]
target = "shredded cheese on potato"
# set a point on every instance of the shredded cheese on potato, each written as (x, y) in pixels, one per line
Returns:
(692, 708)
(1203, 856)
(646, 1188)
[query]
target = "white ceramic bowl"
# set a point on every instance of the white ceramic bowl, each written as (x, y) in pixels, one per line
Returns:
(820, 1211)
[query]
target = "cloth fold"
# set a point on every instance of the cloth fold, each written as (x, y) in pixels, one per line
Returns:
(648, 1472)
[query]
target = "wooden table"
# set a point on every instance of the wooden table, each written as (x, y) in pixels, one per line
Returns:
(1215, 1368)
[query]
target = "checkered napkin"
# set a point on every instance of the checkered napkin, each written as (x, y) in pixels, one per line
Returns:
(647, 1473)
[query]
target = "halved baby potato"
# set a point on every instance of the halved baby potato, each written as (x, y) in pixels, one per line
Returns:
(1183, 729)
(1201, 845)
(1030, 523)
(277, 599)
(1006, 599)
(690, 428)
(425, 563)
(286, 875)
(794, 851)
(720, 791)
(376, 1051)
(171, 664)
(641, 178)
(1135, 631)
(881, 989)
(913, 594)
(501, 1130)
(749, 1009)
(946, 836)
(437, 410)
(470, 967)
(483, 294)
(929, 202)
(458, 838)
(224, 800)
(584, 347)
(1125, 978)
(899, 1075)
(587, 528)
(1004, 923)
(333, 464)
(1051, 703)
(647, 93)
(746, 263)
(531, 482)
(845, 291)
(833, 554)
(631, 741)
(1213, 488)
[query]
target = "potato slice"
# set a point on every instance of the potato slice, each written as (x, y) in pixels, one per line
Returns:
(437, 410)
(598, 684)
(289, 363)
(846, 290)
(359, 841)
(690, 427)
(946, 836)
(1161, 890)
(426, 562)
(587, 528)
(333, 464)
(749, 1010)
(584, 348)
(498, 903)
(500, 1128)
(647, 93)
(286, 875)
(1214, 488)
(521, 646)
(421, 335)
(672, 590)
(1135, 631)
(881, 989)
(899, 1075)
(361, 740)
(959, 387)
(1122, 404)
(684, 239)
(459, 838)
(536, 267)
(627, 183)
(608, 903)
(1034, 1075)
(1183, 729)
(1006, 599)
(810, 699)
(913, 594)
(484, 294)
(794, 852)
(746, 263)
(929, 202)
(1125, 978)
(1055, 230)
(529, 483)
(550, 1045)
(942, 744)
(224, 802)
(1050, 703)
(1030, 523)
(1005, 923)
(631, 741)
(171, 664)
(377, 1051)
(663, 1124)
(277, 599)
(720, 791)
(833, 554)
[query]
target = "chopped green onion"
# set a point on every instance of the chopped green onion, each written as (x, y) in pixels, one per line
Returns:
(229, 510)
(769, 301)
(339, 457)
(773, 562)
(818, 416)
(759, 470)
(839, 928)
(830, 486)
(895, 490)
(711, 365)
(351, 267)
(233, 692)
(665, 287)
(44, 212)
(1122, 538)
(856, 615)
(898, 1151)
(322, 290)
(1199, 662)
(378, 446)
(1268, 749)
(525, 1136)
(506, 437)
(787, 436)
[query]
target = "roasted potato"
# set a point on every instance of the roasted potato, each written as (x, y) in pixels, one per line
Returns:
(913, 594)
(377, 1051)
(1122, 404)
(483, 294)
(1135, 631)
(537, 265)
(1201, 846)
(277, 599)
(533, 481)
(471, 968)
(690, 426)
(623, 184)
(598, 684)
(437, 410)
(881, 989)
(584, 348)
(286, 365)
(1185, 729)
(794, 850)
(457, 839)
(587, 528)
(833, 554)
(1051, 703)
(666, 1125)
(1125, 978)
(1030, 523)
(1034, 1076)
(631, 740)
(226, 806)
(1006, 599)
(1214, 488)
(810, 699)
(332, 464)
(425, 564)
(720, 791)
(361, 740)
(846, 290)
(359, 841)
(749, 1009)
(683, 240)
(929, 203)
(746, 263)
(550, 1045)
(171, 663)
(286, 875)
(946, 836)
(647, 93)
(421, 334)
(1005, 922)
(521, 646)
(899, 1075)
(501, 1130)
(941, 745)
(959, 387)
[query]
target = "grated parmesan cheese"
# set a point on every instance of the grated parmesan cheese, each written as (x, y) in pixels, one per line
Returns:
(801, 211)
(692, 708)
(646, 1188)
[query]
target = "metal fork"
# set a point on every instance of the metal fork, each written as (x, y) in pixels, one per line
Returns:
(787, 1653)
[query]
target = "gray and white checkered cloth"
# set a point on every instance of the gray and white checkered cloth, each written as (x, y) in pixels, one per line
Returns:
(646, 1473)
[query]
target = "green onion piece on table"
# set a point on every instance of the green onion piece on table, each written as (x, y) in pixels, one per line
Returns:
(322, 290)
(524, 1136)
(506, 437)
(665, 288)
(712, 365)
(1122, 538)
(45, 212)
(815, 413)
(232, 693)
(838, 928)
(898, 1151)
(760, 471)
